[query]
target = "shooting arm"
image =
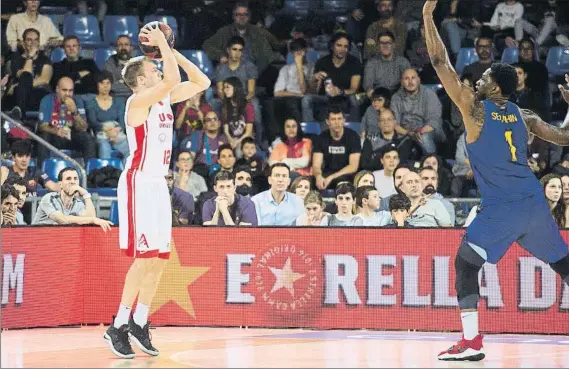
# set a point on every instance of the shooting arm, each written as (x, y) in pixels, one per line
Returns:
(197, 80)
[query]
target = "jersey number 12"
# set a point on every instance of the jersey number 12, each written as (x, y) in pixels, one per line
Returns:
(509, 139)
(167, 154)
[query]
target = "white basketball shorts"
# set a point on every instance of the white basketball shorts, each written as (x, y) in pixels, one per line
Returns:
(145, 215)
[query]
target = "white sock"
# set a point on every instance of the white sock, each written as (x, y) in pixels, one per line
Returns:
(122, 316)
(141, 314)
(469, 324)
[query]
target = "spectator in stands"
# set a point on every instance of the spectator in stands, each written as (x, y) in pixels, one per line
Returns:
(238, 115)
(205, 144)
(410, 13)
(31, 18)
(81, 71)
(183, 205)
(542, 14)
(362, 16)
(293, 149)
(71, 205)
(428, 212)
(418, 112)
(484, 52)
(380, 101)
(63, 122)
(565, 197)
(30, 74)
(367, 199)
(10, 199)
(244, 182)
(553, 190)
(292, 83)
(387, 22)
(336, 153)
(33, 176)
(185, 178)
(374, 145)
(190, 115)
(226, 158)
(430, 183)
(250, 158)
(398, 175)
(503, 22)
(463, 177)
(259, 44)
(20, 186)
(536, 71)
(383, 178)
(277, 207)
(400, 209)
(314, 214)
(336, 78)
(105, 115)
(227, 207)
(115, 64)
(301, 186)
(419, 57)
(462, 22)
(385, 69)
(364, 178)
(345, 204)
(526, 99)
(445, 174)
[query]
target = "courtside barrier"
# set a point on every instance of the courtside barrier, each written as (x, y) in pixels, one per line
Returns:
(320, 278)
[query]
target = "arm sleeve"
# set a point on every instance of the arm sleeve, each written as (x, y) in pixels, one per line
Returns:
(207, 210)
(12, 34)
(46, 109)
(92, 116)
(281, 83)
(369, 74)
(47, 206)
(441, 213)
(249, 213)
(434, 111)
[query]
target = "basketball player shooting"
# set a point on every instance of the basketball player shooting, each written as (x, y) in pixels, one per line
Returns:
(144, 201)
(513, 205)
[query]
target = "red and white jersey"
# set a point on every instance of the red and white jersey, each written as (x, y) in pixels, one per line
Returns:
(150, 143)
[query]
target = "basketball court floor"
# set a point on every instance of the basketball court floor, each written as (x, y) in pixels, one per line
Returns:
(271, 348)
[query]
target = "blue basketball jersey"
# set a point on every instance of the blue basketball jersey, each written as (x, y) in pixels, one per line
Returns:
(499, 156)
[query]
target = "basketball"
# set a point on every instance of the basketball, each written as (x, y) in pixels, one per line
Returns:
(153, 51)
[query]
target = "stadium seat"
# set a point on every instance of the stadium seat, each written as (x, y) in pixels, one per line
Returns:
(116, 25)
(115, 154)
(557, 61)
(32, 163)
(114, 212)
(465, 57)
(310, 128)
(100, 163)
(66, 152)
(312, 56)
(298, 7)
(104, 191)
(57, 55)
(335, 7)
(168, 19)
(85, 27)
(101, 56)
(434, 87)
(53, 18)
(354, 126)
(200, 59)
(53, 166)
(511, 55)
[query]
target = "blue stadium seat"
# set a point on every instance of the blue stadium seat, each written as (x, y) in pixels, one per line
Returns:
(100, 163)
(200, 59)
(85, 27)
(167, 19)
(32, 163)
(116, 154)
(311, 128)
(511, 55)
(557, 62)
(312, 56)
(53, 166)
(354, 126)
(114, 213)
(57, 55)
(465, 57)
(116, 25)
(53, 18)
(47, 9)
(434, 87)
(101, 56)
(104, 191)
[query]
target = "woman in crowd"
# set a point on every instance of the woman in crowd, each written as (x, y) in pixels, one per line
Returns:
(190, 115)
(300, 186)
(364, 178)
(237, 115)
(293, 149)
(314, 214)
(553, 189)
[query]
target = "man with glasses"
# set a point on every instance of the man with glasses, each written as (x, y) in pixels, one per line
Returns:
(116, 63)
(386, 22)
(484, 52)
(384, 69)
(18, 23)
(30, 74)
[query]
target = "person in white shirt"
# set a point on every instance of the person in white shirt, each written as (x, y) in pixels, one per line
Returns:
(384, 178)
(367, 199)
(314, 214)
(31, 18)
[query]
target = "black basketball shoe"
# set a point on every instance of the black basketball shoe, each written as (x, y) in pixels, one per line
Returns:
(141, 336)
(118, 341)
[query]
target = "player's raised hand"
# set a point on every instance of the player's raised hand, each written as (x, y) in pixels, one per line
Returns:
(565, 91)
(154, 35)
(429, 7)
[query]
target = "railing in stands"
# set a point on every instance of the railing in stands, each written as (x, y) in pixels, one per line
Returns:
(41, 141)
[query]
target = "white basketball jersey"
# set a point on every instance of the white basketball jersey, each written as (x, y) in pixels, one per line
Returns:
(150, 143)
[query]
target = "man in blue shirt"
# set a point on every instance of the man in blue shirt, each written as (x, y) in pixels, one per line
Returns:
(277, 207)
(63, 123)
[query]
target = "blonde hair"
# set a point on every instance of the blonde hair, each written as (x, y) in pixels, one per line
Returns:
(360, 175)
(132, 70)
(314, 197)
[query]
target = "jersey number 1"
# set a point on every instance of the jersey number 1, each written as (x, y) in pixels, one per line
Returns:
(167, 157)
(510, 141)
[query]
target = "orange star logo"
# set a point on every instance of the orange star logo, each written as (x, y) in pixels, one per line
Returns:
(175, 282)
(285, 277)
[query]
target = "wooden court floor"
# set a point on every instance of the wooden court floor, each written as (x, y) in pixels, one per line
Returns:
(273, 348)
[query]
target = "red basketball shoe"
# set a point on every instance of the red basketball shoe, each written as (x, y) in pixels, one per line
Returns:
(465, 350)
